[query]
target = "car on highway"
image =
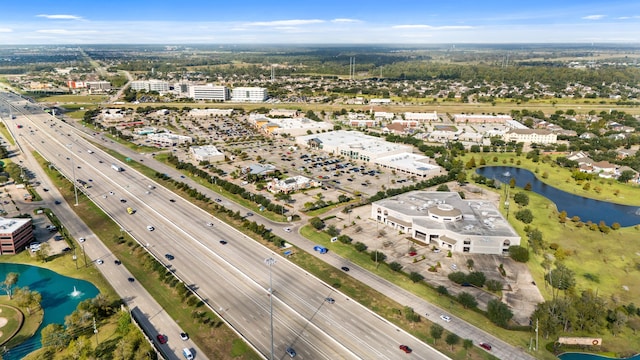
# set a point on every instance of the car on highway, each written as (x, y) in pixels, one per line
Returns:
(150, 228)
(184, 336)
(330, 300)
(57, 202)
(161, 339)
(218, 200)
(209, 224)
(249, 214)
(291, 352)
(131, 279)
(406, 349)
(485, 346)
(169, 256)
(123, 200)
(172, 200)
(111, 193)
(344, 268)
(287, 229)
(117, 262)
(82, 240)
(223, 242)
(99, 262)
(45, 189)
(446, 318)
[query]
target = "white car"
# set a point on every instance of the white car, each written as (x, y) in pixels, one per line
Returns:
(99, 262)
(150, 228)
(82, 239)
(287, 229)
(446, 318)
(209, 224)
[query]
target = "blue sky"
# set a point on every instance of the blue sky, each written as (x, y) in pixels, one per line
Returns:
(318, 22)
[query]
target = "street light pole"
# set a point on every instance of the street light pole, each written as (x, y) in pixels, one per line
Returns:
(270, 262)
(73, 172)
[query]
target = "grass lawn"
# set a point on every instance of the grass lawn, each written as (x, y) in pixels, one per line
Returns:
(606, 263)
(74, 99)
(23, 327)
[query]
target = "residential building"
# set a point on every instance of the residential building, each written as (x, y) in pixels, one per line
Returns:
(445, 220)
(15, 234)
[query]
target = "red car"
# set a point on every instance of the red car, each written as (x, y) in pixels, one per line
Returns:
(406, 349)
(161, 339)
(485, 346)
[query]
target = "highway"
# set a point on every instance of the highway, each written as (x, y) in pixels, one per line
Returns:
(233, 278)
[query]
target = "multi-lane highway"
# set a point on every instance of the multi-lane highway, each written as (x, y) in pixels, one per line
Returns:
(232, 278)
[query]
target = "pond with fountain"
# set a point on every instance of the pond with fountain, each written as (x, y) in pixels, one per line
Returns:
(60, 297)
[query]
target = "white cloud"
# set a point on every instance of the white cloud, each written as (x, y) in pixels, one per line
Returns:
(285, 22)
(346, 21)
(60, 17)
(5, 30)
(65, 32)
(593, 17)
(429, 27)
(628, 17)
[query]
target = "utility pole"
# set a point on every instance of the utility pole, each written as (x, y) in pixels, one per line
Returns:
(73, 172)
(536, 334)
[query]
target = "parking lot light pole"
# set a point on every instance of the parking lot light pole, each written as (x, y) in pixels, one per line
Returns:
(270, 262)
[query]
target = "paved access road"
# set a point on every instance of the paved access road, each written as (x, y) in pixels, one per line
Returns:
(232, 278)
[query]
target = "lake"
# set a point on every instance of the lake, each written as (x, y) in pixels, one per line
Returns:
(60, 297)
(575, 205)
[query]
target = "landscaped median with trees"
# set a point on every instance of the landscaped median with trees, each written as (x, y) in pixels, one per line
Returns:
(578, 266)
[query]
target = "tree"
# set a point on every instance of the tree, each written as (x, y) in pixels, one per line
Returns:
(494, 285)
(476, 278)
(626, 176)
(436, 332)
(519, 253)
(27, 299)
(377, 256)
(42, 254)
(561, 278)
(512, 183)
(317, 223)
(442, 290)
(54, 335)
(525, 215)
(443, 187)
(521, 199)
(360, 247)
(415, 277)
(10, 280)
(470, 263)
(410, 314)
(395, 266)
(527, 186)
(467, 300)
(498, 313)
(467, 344)
(332, 230)
(452, 339)
(458, 277)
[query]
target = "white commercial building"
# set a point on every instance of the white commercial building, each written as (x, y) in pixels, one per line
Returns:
(206, 153)
(249, 94)
(209, 92)
(422, 117)
(291, 184)
(410, 164)
(150, 85)
(445, 220)
(168, 139)
(481, 119)
(353, 145)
